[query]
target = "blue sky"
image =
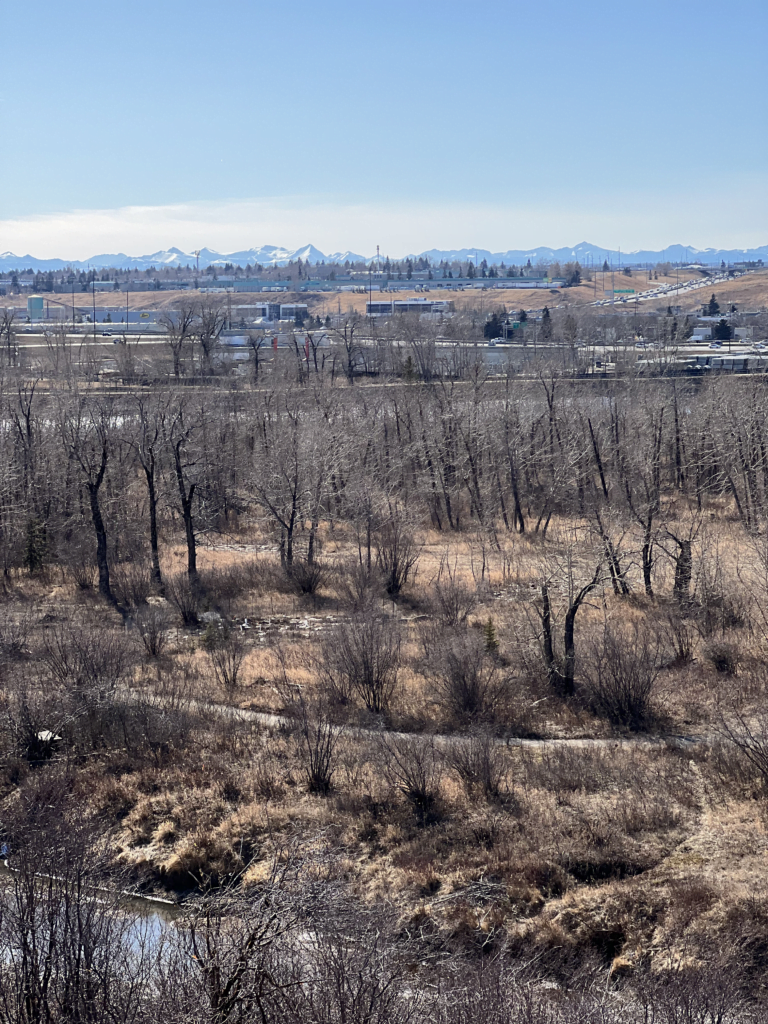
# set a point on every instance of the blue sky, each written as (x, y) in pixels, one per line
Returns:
(139, 125)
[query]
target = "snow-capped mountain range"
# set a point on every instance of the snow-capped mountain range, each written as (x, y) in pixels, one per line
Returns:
(277, 256)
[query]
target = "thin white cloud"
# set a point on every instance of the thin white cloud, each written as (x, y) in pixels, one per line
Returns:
(617, 221)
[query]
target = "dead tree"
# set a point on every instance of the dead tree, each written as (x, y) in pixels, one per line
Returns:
(179, 332)
(561, 670)
(179, 440)
(147, 444)
(86, 430)
(211, 321)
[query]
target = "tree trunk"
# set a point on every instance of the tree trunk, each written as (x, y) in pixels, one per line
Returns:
(648, 557)
(157, 578)
(101, 540)
(569, 647)
(186, 511)
(683, 572)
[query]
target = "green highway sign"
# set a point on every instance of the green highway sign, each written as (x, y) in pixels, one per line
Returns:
(623, 291)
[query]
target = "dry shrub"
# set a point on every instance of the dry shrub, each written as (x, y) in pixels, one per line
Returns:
(83, 573)
(87, 661)
(226, 583)
(185, 596)
(452, 601)
(732, 772)
(714, 995)
(467, 682)
(15, 631)
(722, 606)
(682, 635)
(568, 769)
(152, 624)
(412, 765)
(724, 657)
(747, 730)
(266, 782)
(361, 659)
(318, 738)
(620, 672)
(359, 586)
(226, 650)
(306, 578)
(397, 555)
(131, 583)
(481, 765)
(318, 741)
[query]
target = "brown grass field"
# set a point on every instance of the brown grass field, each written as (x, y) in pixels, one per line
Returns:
(623, 849)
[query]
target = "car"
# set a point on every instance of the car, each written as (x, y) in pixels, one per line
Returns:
(106, 334)
(716, 344)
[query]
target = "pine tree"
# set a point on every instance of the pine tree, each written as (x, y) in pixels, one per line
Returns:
(722, 330)
(546, 325)
(714, 306)
(492, 327)
(36, 547)
(489, 635)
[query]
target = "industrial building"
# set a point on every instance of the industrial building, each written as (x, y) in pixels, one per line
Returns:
(406, 306)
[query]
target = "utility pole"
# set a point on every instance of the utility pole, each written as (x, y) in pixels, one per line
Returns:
(93, 290)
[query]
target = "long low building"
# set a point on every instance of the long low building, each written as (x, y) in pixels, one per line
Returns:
(406, 306)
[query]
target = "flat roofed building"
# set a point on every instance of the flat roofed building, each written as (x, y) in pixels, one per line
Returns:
(288, 310)
(379, 308)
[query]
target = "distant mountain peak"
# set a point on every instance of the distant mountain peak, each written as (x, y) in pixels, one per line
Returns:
(279, 256)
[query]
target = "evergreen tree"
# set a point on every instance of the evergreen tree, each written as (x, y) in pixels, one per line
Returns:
(492, 328)
(606, 268)
(546, 325)
(522, 316)
(36, 547)
(489, 635)
(723, 330)
(714, 306)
